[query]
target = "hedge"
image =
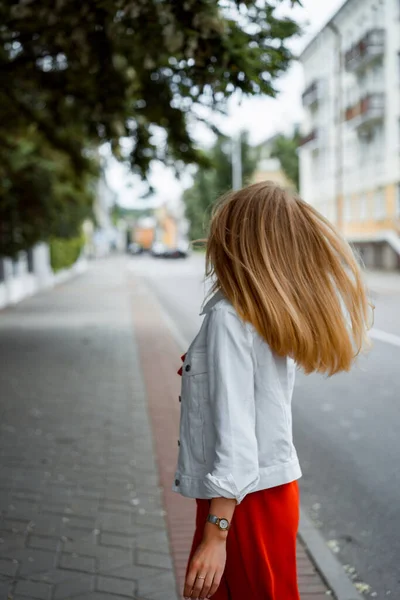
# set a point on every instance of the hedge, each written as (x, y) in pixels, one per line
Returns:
(65, 252)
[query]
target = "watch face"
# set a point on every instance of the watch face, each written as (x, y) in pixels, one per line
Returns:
(223, 524)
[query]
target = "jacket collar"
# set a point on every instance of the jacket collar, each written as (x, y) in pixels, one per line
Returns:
(217, 297)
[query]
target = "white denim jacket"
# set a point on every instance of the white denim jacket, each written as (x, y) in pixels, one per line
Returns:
(236, 422)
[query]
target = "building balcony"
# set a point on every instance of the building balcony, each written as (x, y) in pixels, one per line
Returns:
(366, 50)
(368, 111)
(311, 139)
(312, 94)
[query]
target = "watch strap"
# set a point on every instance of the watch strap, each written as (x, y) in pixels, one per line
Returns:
(217, 521)
(213, 519)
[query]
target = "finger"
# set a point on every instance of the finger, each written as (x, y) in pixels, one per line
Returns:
(198, 586)
(190, 580)
(215, 584)
(207, 585)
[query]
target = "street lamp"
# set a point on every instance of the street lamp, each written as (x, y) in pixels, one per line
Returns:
(236, 158)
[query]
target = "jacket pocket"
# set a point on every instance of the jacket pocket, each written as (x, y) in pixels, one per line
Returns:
(196, 389)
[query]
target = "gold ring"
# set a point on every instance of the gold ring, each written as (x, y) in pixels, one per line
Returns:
(200, 577)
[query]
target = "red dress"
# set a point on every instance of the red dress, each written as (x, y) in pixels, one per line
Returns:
(261, 545)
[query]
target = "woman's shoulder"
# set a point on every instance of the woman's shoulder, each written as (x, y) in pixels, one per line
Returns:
(223, 315)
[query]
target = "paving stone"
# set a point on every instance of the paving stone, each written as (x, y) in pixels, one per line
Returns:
(164, 582)
(11, 544)
(78, 583)
(75, 562)
(112, 539)
(8, 567)
(15, 525)
(112, 585)
(114, 558)
(34, 561)
(152, 520)
(154, 559)
(107, 522)
(44, 542)
(118, 508)
(155, 541)
(160, 595)
(4, 589)
(33, 589)
(100, 596)
(132, 571)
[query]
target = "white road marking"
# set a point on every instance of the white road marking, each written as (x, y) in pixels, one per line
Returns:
(383, 336)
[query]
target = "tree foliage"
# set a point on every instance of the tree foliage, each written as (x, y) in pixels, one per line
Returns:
(210, 183)
(74, 75)
(41, 195)
(285, 148)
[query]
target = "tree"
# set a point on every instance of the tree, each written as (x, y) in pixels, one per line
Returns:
(41, 195)
(210, 183)
(285, 148)
(78, 74)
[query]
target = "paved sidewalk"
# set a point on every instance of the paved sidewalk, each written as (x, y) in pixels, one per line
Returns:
(81, 513)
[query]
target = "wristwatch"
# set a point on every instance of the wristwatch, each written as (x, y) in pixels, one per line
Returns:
(223, 524)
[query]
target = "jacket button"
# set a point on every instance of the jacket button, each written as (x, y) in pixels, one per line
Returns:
(179, 442)
(187, 368)
(180, 398)
(177, 482)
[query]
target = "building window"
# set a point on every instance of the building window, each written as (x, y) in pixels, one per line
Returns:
(363, 206)
(380, 203)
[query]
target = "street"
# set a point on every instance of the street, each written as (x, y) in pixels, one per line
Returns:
(346, 431)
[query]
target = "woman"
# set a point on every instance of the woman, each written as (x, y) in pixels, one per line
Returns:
(287, 291)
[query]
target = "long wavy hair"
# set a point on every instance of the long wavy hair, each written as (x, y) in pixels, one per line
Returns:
(288, 272)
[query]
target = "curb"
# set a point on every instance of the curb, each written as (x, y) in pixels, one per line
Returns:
(328, 566)
(326, 563)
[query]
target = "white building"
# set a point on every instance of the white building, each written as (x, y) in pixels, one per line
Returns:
(106, 236)
(350, 152)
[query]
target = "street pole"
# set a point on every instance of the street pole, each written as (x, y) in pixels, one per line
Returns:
(339, 196)
(236, 159)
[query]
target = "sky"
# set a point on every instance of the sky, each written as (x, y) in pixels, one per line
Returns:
(260, 116)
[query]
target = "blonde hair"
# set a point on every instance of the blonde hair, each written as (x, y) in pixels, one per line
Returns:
(288, 272)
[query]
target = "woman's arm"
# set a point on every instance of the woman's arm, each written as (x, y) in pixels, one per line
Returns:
(234, 471)
(209, 560)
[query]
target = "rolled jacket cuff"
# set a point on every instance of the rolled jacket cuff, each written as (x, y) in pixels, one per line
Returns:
(226, 487)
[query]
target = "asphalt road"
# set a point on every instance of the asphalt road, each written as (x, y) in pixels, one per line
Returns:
(346, 431)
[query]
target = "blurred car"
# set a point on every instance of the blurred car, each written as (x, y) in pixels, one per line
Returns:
(135, 249)
(158, 249)
(181, 251)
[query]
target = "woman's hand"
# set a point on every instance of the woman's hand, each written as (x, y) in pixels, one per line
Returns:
(208, 562)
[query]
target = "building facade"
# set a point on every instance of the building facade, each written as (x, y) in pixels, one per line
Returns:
(269, 168)
(350, 149)
(172, 229)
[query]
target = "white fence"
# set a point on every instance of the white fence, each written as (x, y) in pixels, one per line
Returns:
(30, 273)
